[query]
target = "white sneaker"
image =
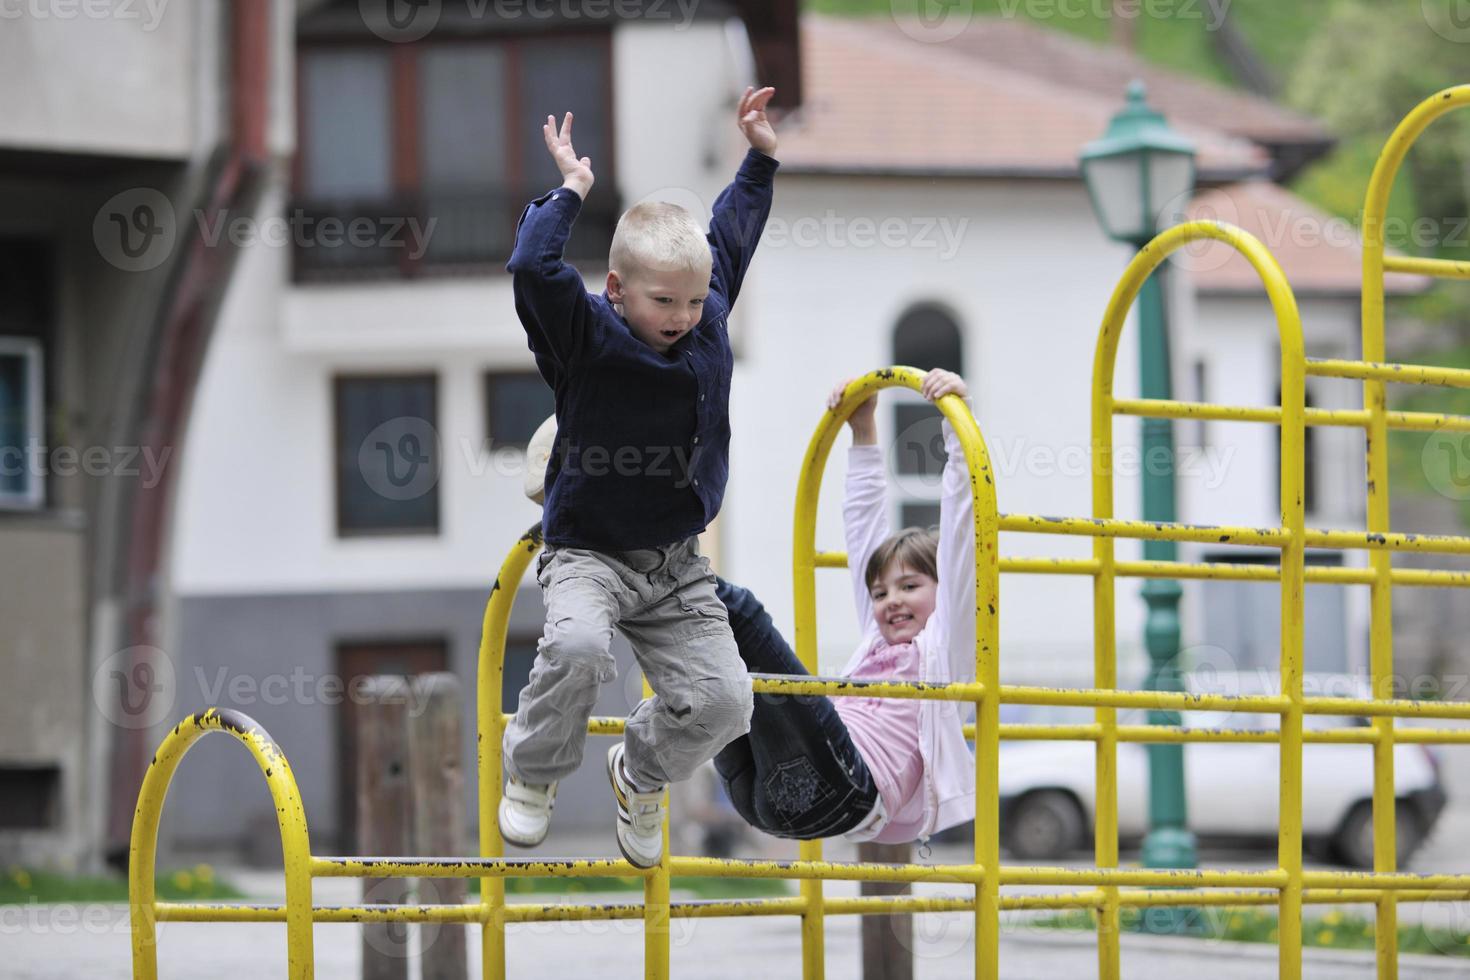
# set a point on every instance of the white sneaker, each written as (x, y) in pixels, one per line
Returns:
(525, 812)
(640, 815)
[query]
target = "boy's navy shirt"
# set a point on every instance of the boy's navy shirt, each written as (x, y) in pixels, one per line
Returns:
(643, 439)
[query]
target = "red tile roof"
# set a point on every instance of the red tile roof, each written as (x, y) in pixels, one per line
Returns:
(1320, 254)
(1074, 62)
(878, 101)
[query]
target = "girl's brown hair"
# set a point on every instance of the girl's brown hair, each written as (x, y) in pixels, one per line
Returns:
(913, 547)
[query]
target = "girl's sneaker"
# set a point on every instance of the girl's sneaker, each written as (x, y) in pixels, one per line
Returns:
(640, 815)
(525, 812)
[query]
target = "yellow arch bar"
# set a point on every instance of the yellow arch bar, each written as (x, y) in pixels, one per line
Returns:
(290, 817)
(987, 649)
(1292, 571)
(1375, 402)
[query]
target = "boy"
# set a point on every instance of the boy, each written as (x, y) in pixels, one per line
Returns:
(642, 382)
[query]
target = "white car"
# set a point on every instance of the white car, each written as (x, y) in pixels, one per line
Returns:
(1047, 799)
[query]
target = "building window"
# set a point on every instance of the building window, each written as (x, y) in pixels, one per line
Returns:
(22, 486)
(516, 403)
(388, 455)
(926, 337)
(914, 514)
(30, 797)
(431, 150)
(1244, 617)
(1309, 461)
(520, 656)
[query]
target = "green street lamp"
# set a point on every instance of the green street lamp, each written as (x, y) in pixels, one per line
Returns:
(1139, 168)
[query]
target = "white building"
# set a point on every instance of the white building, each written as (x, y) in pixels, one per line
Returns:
(928, 209)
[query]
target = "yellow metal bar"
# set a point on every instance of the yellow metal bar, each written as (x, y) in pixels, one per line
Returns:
(1172, 733)
(1377, 542)
(490, 728)
(1372, 369)
(1354, 418)
(1438, 268)
(656, 908)
(1289, 537)
(1082, 697)
(987, 669)
(451, 867)
(290, 818)
(1099, 527)
(1385, 880)
(837, 687)
(1222, 571)
(1380, 634)
(1159, 408)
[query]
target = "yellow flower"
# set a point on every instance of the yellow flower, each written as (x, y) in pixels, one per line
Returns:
(1237, 921)
(1332, 918)
(204, 873)
(1324, 937)
(183, 880)
(21, 877)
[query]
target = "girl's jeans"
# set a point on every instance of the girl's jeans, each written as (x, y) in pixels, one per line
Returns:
(797, 773)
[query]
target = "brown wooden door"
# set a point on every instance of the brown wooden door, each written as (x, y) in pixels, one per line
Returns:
(354, 660)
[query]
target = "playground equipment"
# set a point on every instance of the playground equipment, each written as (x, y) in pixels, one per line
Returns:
(1105, 888)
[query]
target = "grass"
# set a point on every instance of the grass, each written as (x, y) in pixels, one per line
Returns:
(23, 886)
(1334, 930)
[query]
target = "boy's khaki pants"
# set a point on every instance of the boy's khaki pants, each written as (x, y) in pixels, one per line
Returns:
(663, 600)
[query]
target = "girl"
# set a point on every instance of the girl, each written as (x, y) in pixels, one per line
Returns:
(870, 768)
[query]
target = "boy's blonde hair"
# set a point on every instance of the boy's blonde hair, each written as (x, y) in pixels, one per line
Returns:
(916, 548)
(658, 236)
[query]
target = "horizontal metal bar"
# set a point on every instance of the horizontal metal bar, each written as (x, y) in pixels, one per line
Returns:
(1098, 527)
(1409, 374)
(1384, 880)
(827, 870)
(1388, 708)
(471, 867)
(1159, 408)
(1090, 697)
(1224, 534)
(1221, 571)
(1438, 268)
(201, 912)
(1151, 877)
(1176, 733)
(839, 687)
(722, 908)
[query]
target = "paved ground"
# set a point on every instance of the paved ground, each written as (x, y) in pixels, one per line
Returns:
(68, 942)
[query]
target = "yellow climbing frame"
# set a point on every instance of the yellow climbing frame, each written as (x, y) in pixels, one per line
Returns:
(1105, 888)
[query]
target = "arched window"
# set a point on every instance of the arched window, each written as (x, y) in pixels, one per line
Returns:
(926, 337)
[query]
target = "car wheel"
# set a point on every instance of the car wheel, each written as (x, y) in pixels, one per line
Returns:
(1044, 824)
(1354, 840)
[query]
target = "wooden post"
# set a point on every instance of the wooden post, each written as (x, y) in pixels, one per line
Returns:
(888, 940)
(436, 739)
(383, 815)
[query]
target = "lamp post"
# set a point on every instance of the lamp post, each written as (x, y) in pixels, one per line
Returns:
(1138, 168)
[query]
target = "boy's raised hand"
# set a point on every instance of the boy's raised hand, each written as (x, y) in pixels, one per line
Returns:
(576, 172)
(751, 116)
